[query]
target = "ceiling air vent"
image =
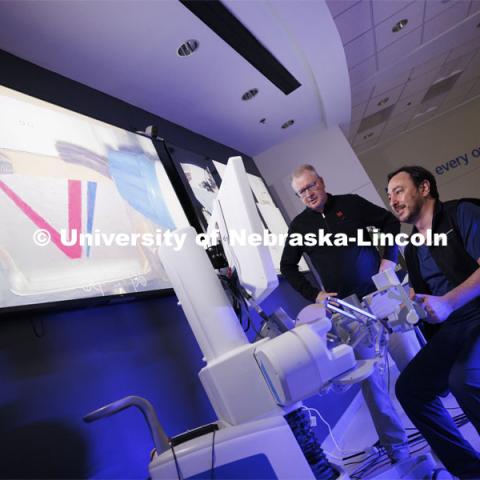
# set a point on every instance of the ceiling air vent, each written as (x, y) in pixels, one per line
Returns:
(375, 119)
(441, 86)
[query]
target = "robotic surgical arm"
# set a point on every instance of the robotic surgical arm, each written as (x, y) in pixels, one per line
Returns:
(244, 380)
(255, 388)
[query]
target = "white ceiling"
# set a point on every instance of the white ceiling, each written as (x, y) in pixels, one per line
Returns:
(441, 37)
(127, 48)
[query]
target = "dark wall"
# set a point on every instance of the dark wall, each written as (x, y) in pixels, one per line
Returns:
(55, 367)
(84, 359)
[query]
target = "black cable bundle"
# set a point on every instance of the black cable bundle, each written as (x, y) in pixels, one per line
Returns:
(299, 421)
(239, 296)
(231, 284)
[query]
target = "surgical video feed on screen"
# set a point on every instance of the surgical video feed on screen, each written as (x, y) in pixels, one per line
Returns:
(200, 179)
(84, 206)
(203, 185)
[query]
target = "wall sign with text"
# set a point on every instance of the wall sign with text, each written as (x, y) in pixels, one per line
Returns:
(459, 161)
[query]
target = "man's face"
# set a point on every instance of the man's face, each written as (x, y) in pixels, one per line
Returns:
(311, 190)
(406, 199)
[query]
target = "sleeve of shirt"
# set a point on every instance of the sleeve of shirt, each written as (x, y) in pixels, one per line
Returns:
(468, 219)
(291, 256)
(373, 215)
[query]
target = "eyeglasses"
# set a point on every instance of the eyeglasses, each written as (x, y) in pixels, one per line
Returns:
(305, 190)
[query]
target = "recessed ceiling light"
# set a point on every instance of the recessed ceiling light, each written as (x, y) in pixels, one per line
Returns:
(250, 94)
(187, 48)
(399, 25)
(288, 123)
(368, 135)
(383, 101)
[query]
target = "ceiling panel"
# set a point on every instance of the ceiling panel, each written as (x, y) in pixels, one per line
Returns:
(472, 70)
(432, 104)
(361, 94)
(452, 103)
(464, 49)
(353, 130)
(445, 20)
(434, 64)
(475, 90)
(394, 128)
(360, 49)
(355, 21)
(457, 64)
(370, 135)
(391, 79)
(339, 6)
(396, 50)
(400, 119)
(459, 89)
(416, 121)
(467, 76)
(407, 103)
(383, 32)
(474, 7)
(367, 145)
(419, 84)
(386, 99)
(384, 10)
(388, 135)
(358, 112)
(433, 8)
(363, 70)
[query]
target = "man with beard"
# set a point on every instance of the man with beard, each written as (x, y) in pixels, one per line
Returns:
(347, 270)
(446, 280)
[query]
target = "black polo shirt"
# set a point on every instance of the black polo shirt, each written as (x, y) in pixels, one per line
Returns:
(343, 269)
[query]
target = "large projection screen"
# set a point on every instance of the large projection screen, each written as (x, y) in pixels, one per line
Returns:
(98, 192)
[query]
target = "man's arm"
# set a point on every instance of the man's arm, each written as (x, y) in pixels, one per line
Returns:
(291, 255)
(440, 308)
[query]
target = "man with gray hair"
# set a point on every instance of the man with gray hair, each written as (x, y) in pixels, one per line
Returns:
(346, 270)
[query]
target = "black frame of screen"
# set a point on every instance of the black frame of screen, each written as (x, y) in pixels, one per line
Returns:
(171, 150)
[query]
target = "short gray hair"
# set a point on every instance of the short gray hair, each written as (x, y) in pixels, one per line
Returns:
(301, 169)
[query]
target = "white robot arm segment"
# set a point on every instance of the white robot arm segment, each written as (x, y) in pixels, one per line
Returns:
(298, 364)
(235, 218)
(392, 302)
